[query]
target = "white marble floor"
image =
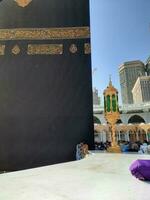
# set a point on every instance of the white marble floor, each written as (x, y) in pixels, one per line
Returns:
(101, 176)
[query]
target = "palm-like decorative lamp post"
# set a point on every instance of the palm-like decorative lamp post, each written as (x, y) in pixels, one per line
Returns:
(111, 111)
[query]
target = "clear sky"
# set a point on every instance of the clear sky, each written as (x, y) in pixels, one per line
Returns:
(120, 32)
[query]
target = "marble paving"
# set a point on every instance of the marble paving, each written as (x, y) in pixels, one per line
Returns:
(101, 176)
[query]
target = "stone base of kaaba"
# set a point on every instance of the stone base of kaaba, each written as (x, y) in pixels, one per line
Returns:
(103, 176)
(114, 149)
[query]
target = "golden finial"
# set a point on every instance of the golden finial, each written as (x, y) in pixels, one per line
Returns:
(110, 82)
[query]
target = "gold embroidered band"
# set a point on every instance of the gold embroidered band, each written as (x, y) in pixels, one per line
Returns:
(45, 33)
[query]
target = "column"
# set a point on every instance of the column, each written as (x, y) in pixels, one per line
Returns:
(125, 137)
(101, 135)
(128, 138)
(147, 136)
(137, 135)
(119, 136)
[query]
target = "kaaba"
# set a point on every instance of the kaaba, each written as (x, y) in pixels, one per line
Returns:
(45, 82)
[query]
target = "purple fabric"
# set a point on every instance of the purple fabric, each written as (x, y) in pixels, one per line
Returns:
(141, 169)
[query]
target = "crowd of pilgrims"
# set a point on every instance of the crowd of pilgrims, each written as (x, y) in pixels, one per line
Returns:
(139, 147)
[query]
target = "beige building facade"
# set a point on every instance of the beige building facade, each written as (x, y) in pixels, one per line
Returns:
(141, 90)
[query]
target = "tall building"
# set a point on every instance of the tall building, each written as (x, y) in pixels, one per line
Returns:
(148, 66)
(96, 98)
(129, 72)
(141, 90)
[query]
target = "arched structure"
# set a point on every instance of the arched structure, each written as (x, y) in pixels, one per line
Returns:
(136, 119)
(124, 132)
(96, 120)
(125, 117)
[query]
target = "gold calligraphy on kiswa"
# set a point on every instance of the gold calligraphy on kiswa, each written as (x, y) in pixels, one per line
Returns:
(45, 49)
(45, 33)
(23, 3)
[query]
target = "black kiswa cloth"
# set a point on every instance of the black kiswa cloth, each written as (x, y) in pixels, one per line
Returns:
(45, 82)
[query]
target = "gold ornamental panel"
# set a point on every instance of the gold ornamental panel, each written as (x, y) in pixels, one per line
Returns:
(44, 33)
(15, 50)
(22, 3)
(87, 48)
(45, 49)
(73, 48)
(2, 50)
